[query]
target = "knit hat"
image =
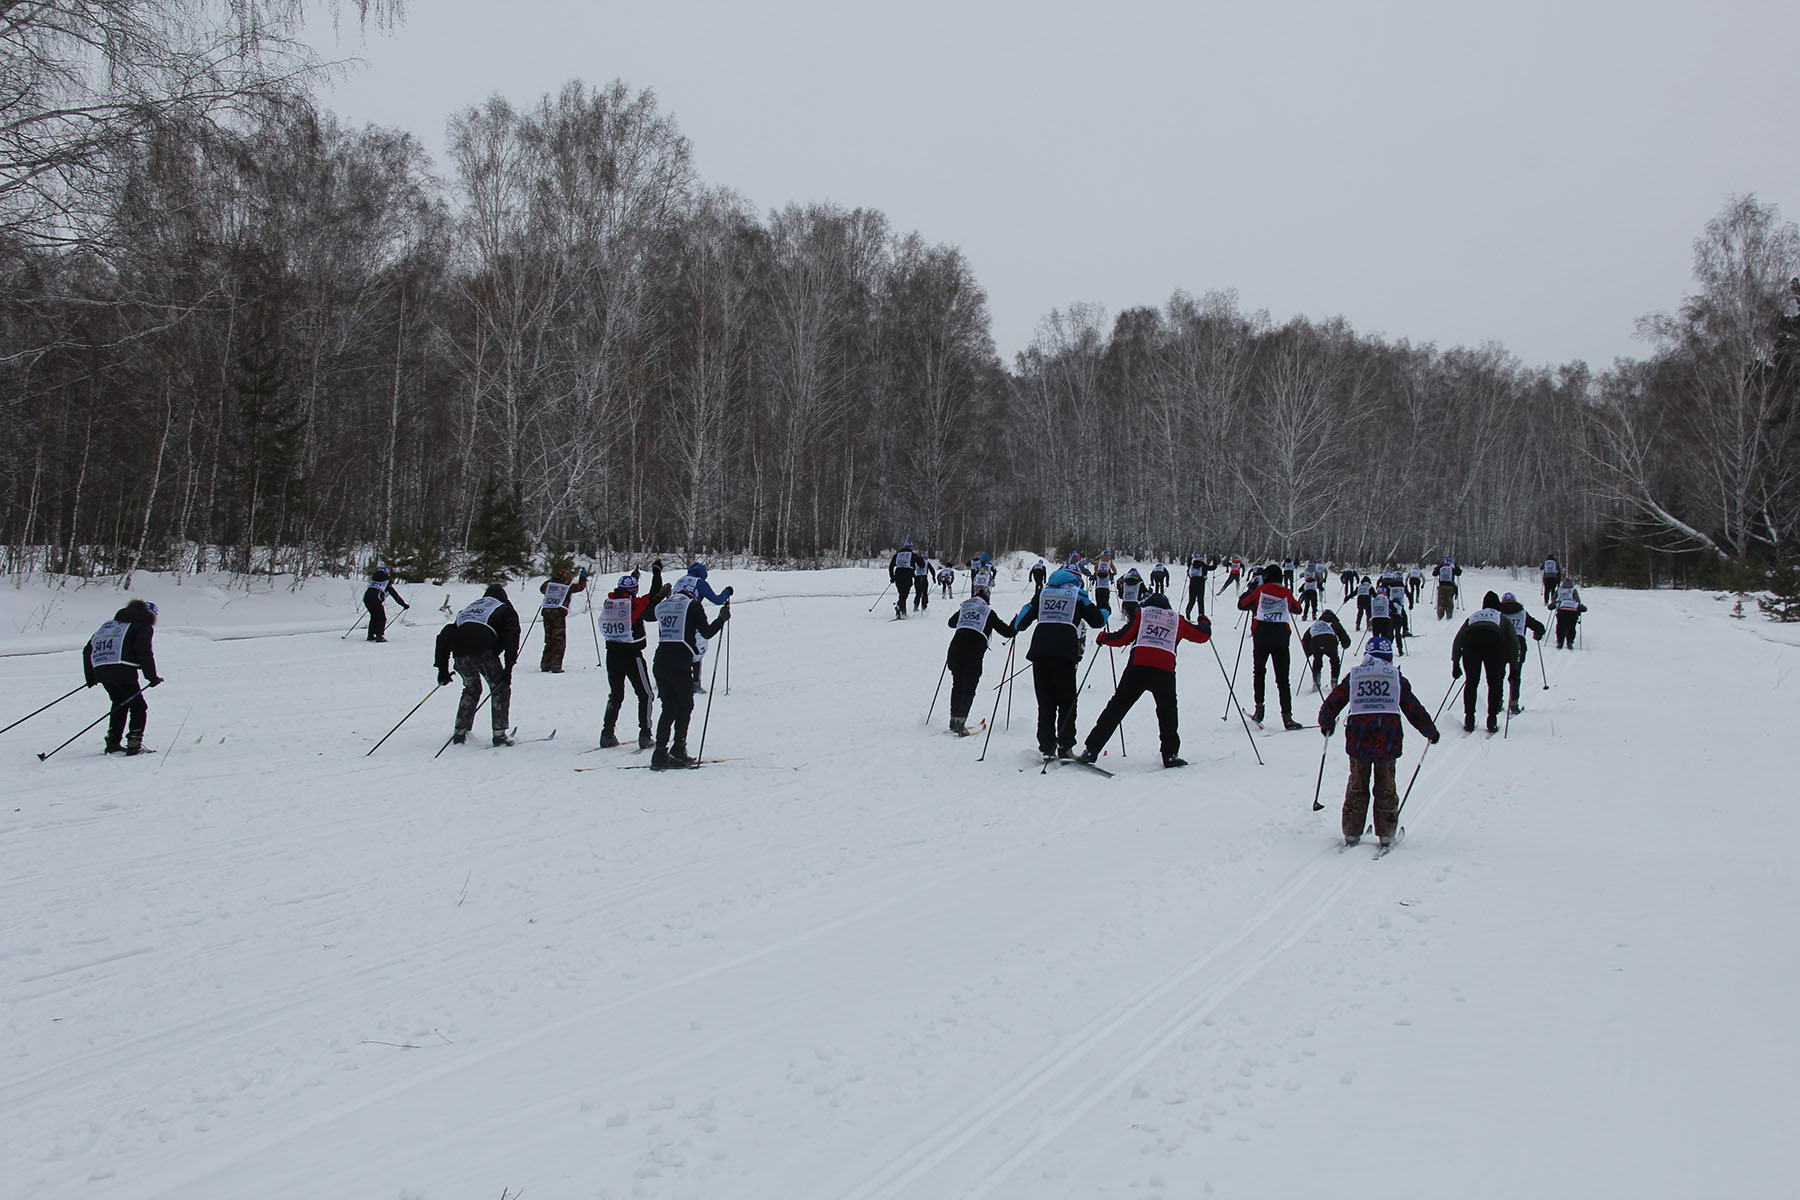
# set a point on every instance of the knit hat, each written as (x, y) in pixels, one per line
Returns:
(1156, 600)
(698, 570)
(1490, 601)
(1508, 598)
(628, 583)
(1380, 647)
(1062, 577)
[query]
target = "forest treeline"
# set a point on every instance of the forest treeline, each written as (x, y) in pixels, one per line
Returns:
(236, 332)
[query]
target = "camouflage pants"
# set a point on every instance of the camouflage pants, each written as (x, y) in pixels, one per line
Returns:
(1356, 798)
(556, 639)
(474, 668)
(1446, 600)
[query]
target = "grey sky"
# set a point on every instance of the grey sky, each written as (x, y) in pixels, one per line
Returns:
(1531, 173)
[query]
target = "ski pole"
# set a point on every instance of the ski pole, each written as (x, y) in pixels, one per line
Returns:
(109, 712)
(1009, 695)
(1231, 683)
(1114, 663)
(1453, 687)
(530, 627)
(452, 737)
(1410, 782)
(594, 629)
(174, 741)
(1233, 700)
(1090, 668)
(346, 634)
(1008, 679)
(1541, 674)
(1010, 647)
(889, 584)
(52, 704)
(1320, 782)
(727, 652)
(936, 690)
(700, 753)
(403, 720)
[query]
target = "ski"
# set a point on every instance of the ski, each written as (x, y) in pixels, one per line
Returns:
(646, 766)
(1073, 762)
(1399, 836)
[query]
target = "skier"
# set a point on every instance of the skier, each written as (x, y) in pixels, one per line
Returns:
(1131, 593)
(680, 623)
(1038, 574)
(697, 572)
(900, 573)
(1446, 589)
(381, 586)
(622, 627)
(1054, 654)
(1568, 612)
(974, 621)
(1154, 633)
(484, 641)
(1484, 644)
(1309, 593)
(1198, 568)
(1287, 572)
(946, 578)
(1272, 608)
(1159, 579)
(1522, 622)
(1380, 613)
(1347, 579)
(1552, 577)
(1415, 585)
(921, 582)
(1377, 695)
(1365, 595)
(1234, 576)
(1399, 623)
(555, 615)
(1321, 641)
(113, 656)
(1104, 575)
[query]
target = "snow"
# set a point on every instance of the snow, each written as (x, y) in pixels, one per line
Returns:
(852, 961)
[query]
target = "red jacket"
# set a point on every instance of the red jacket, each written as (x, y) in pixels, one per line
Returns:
(1150, 656)
(1266, 631)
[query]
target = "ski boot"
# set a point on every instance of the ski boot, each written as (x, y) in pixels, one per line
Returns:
(1493, 723)
(1288, 722)
(958, 727)
(500, 739)
(645, 741)
(1256, 718)
(1174, 760)
(659, 759)
(1088, 755)
(459, 737)
(1065, 752)
(114, 746)
(1469, 723)
(134, 745)
(608, 739)
(1515, 708)
(678, 757)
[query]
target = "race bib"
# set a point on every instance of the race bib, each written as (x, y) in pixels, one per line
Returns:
(1446, 574)
(107, 647)
(1158, 628)
(1321, 629)
(1517, 621)
(556, 595)
(1485, 616)
(1374, 688)
(378, 585)
(1056, 605)
(615, 619)
(1272, 609)
(973, 615)
(479, 612)
(903, 560)
(1378, 606)
(984, 579)
(1550, 567)
(1565, 599)
(1129, 591)
(671, 619)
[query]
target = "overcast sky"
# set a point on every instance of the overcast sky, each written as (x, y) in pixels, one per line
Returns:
(1529, 173)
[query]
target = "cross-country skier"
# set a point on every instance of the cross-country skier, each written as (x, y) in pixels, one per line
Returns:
(1347, 579)
(1568, 612)
(484, 642)
(1039, 573)
(1198, 568)
(900, 573)
(1309, 593)
(1105, 574)
(1447, 572)
(1159, 579)
(680, 623)
(1365, 595)
(1552, 577)
(697, 572)
(1484, 645)
(1234, 575)
(554, 613)
(1522, 623)
(1131, 593)
(974, 621)
(946, 578)
(1321, 641)
(921, 582)
(113, 657)
(1415, 585)
(1054, 654)
(1153, 633)
(380, 586)
(622, 628)
(1381, 611)
(1399, 622)
(1377, 696)
(1272, 608)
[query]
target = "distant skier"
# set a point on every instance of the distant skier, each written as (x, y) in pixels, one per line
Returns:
(1153, 633)
(1522, 622)
(1552, 577)
(1054, 654)
(1321, 641)
(900, 574)
(1233, 577)
(554, 614)
(484, 643)
(1415, 585)
(1198, 568)
(1272, 608)
(921, 582)
(1159, 579)
(1038, 575)
(1568, 613)
(1484, 645)
(1381, 611)
(1347, 578)
(113, 657)
(622, 628)
(974, 621)
(1131, 593)
(1399, 622)
(1105, 574)
(380, 586)
(680, 624)
(1309, 593)
(1377, 696)
(946, 578)
(1447, 573)
(1365, 597)
(697, 572)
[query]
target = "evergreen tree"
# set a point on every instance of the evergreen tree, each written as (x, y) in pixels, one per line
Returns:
(497, 544)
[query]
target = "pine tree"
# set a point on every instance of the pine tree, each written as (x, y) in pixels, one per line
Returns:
(497, 543)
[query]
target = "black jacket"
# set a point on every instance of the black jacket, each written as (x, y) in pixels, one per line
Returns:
(499, 636)
(137, 651)
(968, 648)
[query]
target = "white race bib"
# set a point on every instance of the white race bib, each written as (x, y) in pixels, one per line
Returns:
(615, 619)
(1446, 574)
(1272, 609)
(479, 612)
(1566, 601)
(903, 560)
(973, 615)
(1158, 629)
(1517, 621)
(107, 647)
(378, 585)
(671, 619)
(1130, 590)
(1321, 629)
(1378, 606)
(1056, 605)
(1485, 616)
(556, 595)
(1374, 688)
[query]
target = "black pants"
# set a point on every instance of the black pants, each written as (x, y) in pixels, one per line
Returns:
(1566, 620)
(1513, 674)
(902, 589)
(921, 591)
(1134, 683)
(1362, 609)
(675, 686)
(1276, 656)
(1474, 665)
(1317, 651)
(964, 679)
(1381, 627)
(122, 688)
(377, 613)
(1196, 597)
(625, 664)
(474, 668)
(1103, 597)
(1309, 602)
(1054, 682)
(1550, 582)
(1414, 589)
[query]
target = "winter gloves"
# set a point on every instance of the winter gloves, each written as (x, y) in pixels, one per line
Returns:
(444, 677)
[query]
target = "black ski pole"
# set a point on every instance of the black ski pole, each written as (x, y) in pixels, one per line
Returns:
(78, 688)
(1009, 694)
(1453, 687)
(529, 628)
(884, 588)
(1004, 667)
(1410, 782)
(452, 737)
(1541, 673)
(728, 666)
(1234, 700)
(1090, 668)
(403, 720)
(700, 754)
(109, 712)
(346, 634)
(1114, 663)
(1231, 683)
(594, 629)
(1320, 782)
(174, 741)
(936, 690)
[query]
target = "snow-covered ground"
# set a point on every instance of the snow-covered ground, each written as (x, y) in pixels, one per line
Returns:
(854, 962)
